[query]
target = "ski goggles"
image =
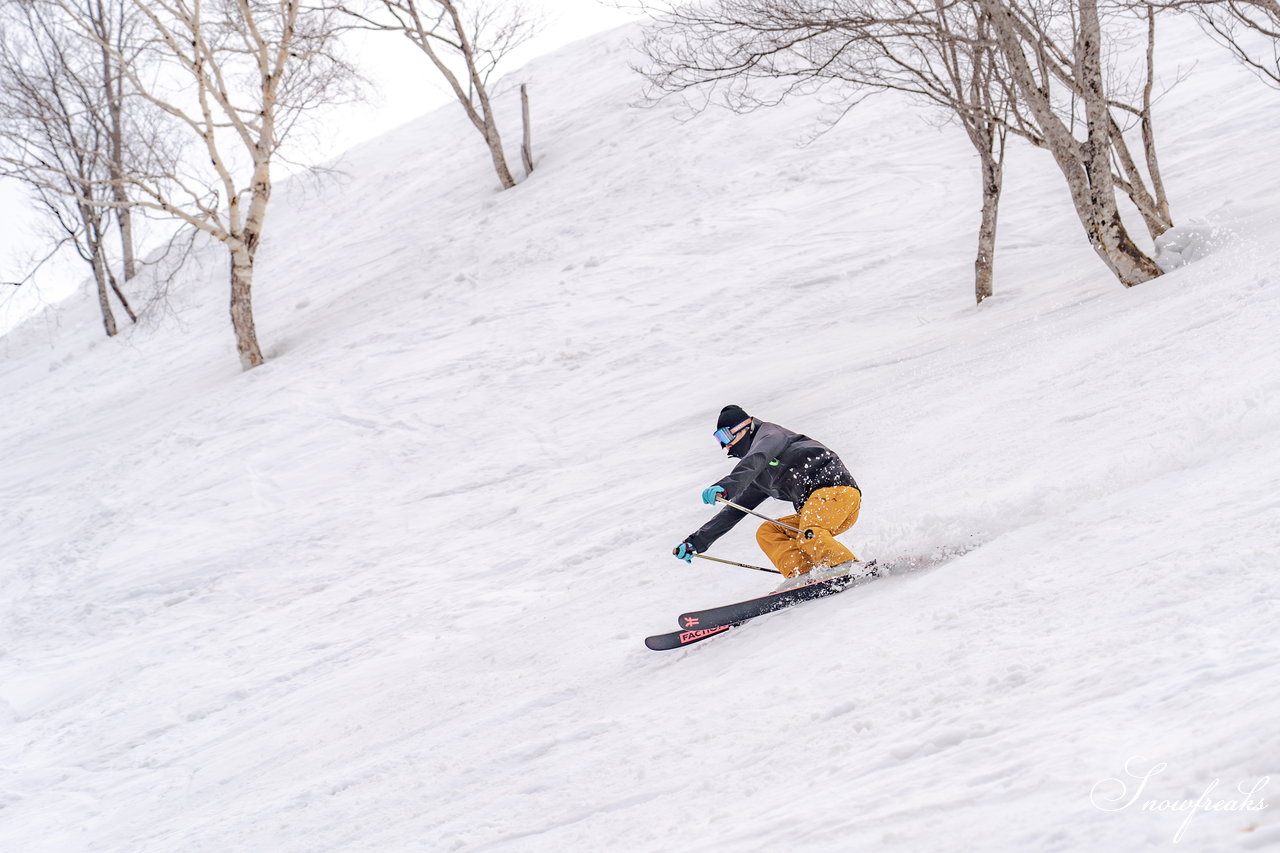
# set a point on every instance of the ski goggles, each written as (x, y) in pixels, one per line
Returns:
(725, 435)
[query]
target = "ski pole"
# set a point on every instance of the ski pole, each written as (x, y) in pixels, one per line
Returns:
(730, 503)
(732, 563)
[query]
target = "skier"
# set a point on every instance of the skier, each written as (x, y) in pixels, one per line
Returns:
(778, 463)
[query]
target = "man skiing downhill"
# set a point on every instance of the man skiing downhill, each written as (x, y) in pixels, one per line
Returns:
(778, 463)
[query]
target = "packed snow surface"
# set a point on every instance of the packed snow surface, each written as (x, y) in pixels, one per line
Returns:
(389, 591)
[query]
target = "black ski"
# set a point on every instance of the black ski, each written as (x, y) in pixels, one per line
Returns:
(729, 614)
(700, 625)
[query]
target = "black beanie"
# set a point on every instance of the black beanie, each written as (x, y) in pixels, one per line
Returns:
(731, 416)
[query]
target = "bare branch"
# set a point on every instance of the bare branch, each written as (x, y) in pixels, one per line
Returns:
(1249, 29)
(464, 44)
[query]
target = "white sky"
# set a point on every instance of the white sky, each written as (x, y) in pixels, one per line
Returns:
(404, 86)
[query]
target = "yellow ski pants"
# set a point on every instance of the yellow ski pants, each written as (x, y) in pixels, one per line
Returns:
(828, 513)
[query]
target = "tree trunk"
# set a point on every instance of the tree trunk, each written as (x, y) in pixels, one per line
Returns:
(494, 141)
(90, 249)
(123, 215)
(124, 219)
(244, 250)
(104, 301)
(1151, 202)
(115, 287)
(526, 146)
(1154, 213)
(242, 307)
(100, 256)
(983, 266)
(1148, 129)
(1101, 215)
(113, 86)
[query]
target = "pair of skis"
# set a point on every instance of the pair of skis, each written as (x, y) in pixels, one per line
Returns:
(699, 625)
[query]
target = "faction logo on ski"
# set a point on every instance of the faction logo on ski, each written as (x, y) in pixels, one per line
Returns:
(691, 621)
(690, 636)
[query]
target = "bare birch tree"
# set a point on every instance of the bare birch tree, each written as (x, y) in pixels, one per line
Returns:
(934, 50)
(62, 120)
(949, 61)
(238, 76)
(1085, 163)
(464, 42)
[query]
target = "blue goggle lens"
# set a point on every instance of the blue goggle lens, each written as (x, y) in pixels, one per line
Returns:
(725, 435)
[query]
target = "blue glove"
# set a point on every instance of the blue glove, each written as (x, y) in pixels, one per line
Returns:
(684, 551)
(709, 494)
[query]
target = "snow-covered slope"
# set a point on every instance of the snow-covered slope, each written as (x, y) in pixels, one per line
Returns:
(389, 591)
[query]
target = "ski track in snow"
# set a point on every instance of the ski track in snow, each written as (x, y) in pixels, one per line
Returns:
(389, 591)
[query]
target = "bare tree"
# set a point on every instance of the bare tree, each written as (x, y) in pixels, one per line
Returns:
(954, 66)
(952, 54)
(1085, 163)
(238, 75)
(465, 42)
(1038, 69)
(935, 50)
(942, 52)
(62, 122)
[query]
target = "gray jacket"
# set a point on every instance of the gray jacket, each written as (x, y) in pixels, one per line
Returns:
(780, 464)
